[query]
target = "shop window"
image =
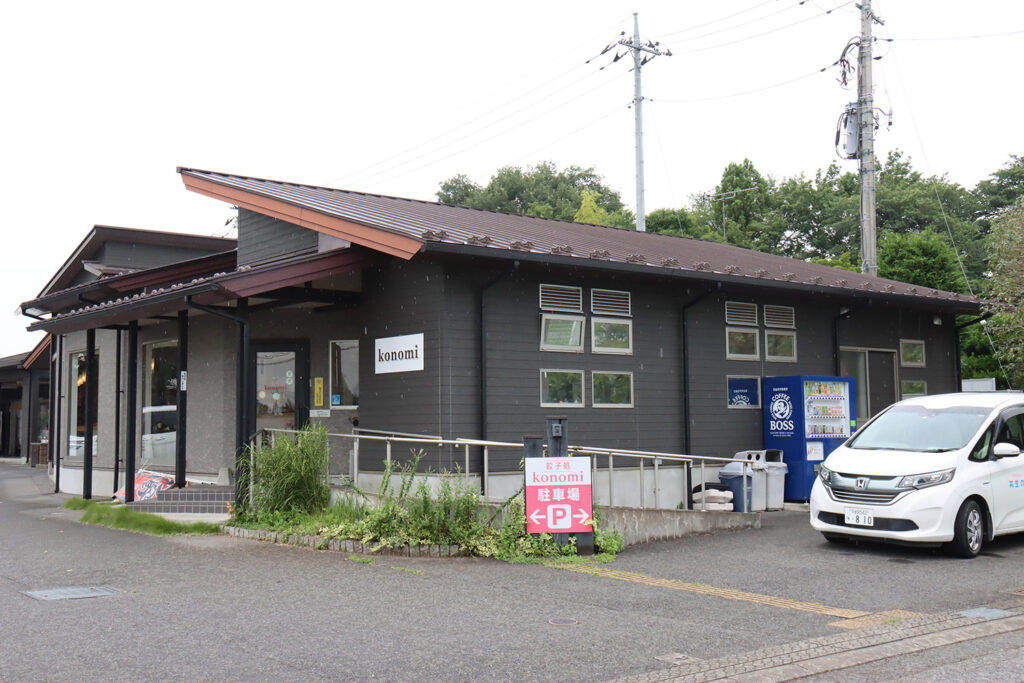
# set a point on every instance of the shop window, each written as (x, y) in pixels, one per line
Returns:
(344, 373)
(612, 389)
(561, 333)
(913, 387)
(780, 346)
(610, 302)
(611, 335)
(563, 298)
(742, 344)
(912, 353)
(76, 406)
(160, 403)
(561, 388)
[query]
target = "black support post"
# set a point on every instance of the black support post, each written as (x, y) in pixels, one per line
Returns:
(90, 411)
(58, 404)
(117, 413)
(180, 443)
(130, 407)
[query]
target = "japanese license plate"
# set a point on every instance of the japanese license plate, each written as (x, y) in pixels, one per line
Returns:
(859, 517)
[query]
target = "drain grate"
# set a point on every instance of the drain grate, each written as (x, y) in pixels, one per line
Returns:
(71, 593)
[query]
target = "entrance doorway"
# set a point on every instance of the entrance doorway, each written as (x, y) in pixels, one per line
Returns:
(281, 370)
(875, 373)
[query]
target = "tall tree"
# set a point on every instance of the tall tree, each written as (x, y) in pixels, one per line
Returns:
(920, 258)
(541, 190)
(1001, 189)
(1007, 262)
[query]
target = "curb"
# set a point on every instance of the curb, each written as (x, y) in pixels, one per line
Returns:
(343, 545)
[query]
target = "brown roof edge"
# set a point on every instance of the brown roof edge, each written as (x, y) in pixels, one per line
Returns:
(40, 349)
(373, 238)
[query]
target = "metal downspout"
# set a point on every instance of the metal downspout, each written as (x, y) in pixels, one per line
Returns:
(684, 349)
(117, 412)
(482, 293)
(180, 464)
(848, 313)
(58, 391)
(131, 398)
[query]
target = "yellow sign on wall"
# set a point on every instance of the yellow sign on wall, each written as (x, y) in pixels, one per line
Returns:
(318, 392)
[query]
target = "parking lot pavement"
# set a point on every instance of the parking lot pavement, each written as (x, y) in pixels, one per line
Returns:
(203, 607)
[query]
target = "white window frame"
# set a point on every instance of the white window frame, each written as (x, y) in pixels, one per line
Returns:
(913, 364)
(780, 333)
(563, 348)
(922, 382)
(583, 389)
(594, 348)
(743, 356)
(593, 385)
(330, 373)
(737, 312)
(772, 314)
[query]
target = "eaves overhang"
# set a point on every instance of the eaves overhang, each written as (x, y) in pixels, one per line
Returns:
(953, 303)
(369, 236)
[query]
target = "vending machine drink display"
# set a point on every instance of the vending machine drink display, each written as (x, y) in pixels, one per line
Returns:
(807, 417)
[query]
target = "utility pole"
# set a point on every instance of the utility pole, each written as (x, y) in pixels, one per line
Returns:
(652, 51)
(866, 124)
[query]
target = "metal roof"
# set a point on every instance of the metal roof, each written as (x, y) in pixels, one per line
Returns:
(435, 224)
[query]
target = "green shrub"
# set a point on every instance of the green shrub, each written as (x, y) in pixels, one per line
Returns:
(287, 475)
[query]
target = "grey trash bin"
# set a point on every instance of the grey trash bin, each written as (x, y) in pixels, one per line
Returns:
(753, 499)
(775, 485)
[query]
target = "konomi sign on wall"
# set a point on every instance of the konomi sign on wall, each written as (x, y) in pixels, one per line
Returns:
(398, 354)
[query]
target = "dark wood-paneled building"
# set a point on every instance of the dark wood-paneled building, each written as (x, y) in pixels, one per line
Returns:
(419, 317)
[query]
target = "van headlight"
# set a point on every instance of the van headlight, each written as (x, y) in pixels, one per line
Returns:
(825, 474)
(920, 481)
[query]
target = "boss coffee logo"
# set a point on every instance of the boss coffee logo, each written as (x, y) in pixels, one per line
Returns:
(781, 411)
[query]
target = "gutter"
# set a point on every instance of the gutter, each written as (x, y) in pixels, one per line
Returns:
(848, 313)
(684, 351)
(482, 297)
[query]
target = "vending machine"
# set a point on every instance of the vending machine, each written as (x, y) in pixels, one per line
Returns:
(807, 417)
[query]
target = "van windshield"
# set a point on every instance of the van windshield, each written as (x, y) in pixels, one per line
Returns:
(921, 429)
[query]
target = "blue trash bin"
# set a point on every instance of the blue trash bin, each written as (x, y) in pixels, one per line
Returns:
(751, 500)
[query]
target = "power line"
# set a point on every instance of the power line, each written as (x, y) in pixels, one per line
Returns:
(720, 19)
(765, 33)
(751, 92)
(580, 129)
(735, 26)
(974, 37)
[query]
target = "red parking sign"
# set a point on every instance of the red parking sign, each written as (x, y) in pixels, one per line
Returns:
(558, 498)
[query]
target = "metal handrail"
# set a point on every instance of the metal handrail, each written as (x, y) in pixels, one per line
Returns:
(611, 453)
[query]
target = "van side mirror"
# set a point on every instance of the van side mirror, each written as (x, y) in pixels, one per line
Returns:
(1005, 450)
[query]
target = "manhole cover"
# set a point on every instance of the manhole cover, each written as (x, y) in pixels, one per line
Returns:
(71, 593)
(562, 621)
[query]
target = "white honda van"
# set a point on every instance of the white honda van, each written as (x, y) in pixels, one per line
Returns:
(943, 469)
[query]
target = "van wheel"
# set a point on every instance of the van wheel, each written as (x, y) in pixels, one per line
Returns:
(833, 538)
(968, 531)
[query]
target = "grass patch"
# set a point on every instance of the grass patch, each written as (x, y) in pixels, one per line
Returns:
(121, 517)
(408, 570)
(361, 560)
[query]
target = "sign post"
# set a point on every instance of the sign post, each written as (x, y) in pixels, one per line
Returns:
(558, 496)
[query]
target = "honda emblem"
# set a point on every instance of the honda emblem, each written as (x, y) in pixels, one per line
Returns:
(861, 483)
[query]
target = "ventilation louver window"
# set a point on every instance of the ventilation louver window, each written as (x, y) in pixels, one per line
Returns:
(779, 316)
(739, 313)
(561, 298)
(610, 302)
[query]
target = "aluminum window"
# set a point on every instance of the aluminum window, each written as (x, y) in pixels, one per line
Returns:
(912, 353)
(610, 302)
(611, 335)
(780, 346)
(740, 313)
(913, 387)
(742, 343)
(612, 389)
(561, 388)
(561, 333)
(344, 374)
(563, 298)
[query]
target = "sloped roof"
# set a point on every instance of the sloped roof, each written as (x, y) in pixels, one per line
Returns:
(405, 227)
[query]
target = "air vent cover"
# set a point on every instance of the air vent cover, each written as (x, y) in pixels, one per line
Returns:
(740, 313)
(610, 302)
(561, 298)
(779, 316)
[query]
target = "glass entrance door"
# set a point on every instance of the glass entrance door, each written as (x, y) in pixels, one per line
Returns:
(281, 385)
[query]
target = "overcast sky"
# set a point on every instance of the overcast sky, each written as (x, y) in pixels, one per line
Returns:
(103, 100)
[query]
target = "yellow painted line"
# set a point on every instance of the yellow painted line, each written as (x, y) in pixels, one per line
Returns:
(705, 589)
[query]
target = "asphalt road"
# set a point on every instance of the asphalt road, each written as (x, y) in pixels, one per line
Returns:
(231, 609)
